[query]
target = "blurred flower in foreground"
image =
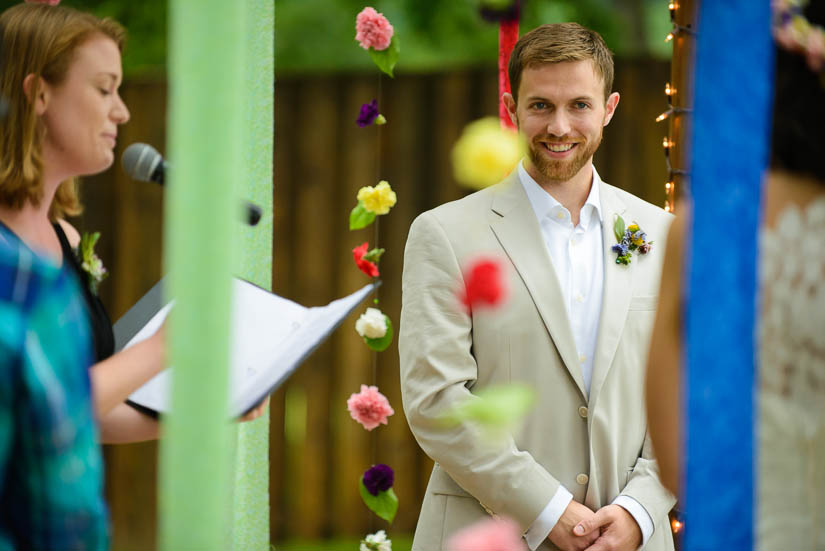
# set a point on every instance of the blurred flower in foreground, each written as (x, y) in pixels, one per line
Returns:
(491, 534)
(495, 410)
(373, 30)
(376, 542)
(485, 153)
(484, 284)
(369, 407)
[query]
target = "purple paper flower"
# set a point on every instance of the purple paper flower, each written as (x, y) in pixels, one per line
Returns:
(369, 112)
(378, 478)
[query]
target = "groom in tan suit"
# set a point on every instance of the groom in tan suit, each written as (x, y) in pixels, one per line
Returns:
(578, 473)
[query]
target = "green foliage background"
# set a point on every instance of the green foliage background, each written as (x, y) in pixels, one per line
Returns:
(313, 36)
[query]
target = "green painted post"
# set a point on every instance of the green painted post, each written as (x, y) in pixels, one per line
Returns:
(251, 491)
(206, 137)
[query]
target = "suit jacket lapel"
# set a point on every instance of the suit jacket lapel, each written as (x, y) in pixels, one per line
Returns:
(618, 289)
(515, 226)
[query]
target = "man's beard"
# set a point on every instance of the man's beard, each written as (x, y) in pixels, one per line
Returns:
(561, 170)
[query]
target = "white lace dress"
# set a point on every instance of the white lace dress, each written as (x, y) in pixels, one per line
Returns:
(791, 404)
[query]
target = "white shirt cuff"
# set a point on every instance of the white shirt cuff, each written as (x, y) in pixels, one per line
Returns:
(639, 514)
(548, 518)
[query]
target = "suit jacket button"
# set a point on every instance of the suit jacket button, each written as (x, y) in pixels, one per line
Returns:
(582, 479)
(583, 412)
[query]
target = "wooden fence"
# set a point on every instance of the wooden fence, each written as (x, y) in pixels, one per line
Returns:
(317, 452)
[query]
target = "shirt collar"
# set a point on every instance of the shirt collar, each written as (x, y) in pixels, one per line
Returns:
(545, 205)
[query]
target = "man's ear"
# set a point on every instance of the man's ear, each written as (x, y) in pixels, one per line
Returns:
(510, 104)
(610, 107)
(36, 92)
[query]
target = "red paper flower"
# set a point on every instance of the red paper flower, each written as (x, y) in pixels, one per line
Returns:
(484, 284)
(369, 268)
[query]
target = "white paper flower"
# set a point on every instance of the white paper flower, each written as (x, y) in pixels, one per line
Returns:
(377, 541)
(372, 324)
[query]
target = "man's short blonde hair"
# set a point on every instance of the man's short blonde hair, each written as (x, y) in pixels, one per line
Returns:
(556, 43)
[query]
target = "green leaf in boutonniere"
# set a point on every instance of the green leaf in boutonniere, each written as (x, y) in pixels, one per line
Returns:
(90, 262)
(618, 228)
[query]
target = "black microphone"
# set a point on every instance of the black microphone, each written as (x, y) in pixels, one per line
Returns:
(143, 163)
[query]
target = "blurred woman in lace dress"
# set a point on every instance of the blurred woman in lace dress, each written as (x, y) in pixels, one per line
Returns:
(790, 434)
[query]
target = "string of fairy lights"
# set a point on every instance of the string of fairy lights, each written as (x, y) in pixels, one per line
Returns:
(674, 110)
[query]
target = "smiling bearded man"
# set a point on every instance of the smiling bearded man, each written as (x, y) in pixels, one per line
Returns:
(580, 473)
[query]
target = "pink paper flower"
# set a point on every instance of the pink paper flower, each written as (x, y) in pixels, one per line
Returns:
(372, 30)
(488, 535)
(49, 2)
(484, 284)
(369, 407)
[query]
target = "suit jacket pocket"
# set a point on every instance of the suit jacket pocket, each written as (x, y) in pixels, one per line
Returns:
(648, 302)
(443, 484)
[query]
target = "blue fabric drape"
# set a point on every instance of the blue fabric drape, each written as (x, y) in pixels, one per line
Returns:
(733, 88)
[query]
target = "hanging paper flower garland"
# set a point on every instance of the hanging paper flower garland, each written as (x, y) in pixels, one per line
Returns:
(367, 261)
(375, 328)
(376, 491)
(376, 542)
(372, 202)
(369, 407)
(375, 34)
(369, 114)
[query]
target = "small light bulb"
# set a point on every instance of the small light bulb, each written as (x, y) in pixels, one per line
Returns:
(666, 143)
(663, 116)
(669, 37)
(676, 526)
(668, 186)
(668, 90)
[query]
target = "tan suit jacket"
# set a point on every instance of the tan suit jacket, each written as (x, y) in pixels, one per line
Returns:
(447, 354)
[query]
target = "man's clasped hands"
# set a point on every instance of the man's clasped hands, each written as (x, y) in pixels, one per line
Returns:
(611, 528)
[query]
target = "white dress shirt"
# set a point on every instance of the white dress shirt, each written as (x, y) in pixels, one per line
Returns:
(577, 255)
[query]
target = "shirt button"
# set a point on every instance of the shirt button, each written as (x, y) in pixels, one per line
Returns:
(579, 297)
(560, 215)
(583, 412)
(582, 479)
(582, 358)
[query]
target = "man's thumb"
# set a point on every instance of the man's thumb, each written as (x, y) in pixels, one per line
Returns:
(593, 523)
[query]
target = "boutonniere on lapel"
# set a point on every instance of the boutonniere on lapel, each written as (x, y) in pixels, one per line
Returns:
(629, 239)
(89, 261)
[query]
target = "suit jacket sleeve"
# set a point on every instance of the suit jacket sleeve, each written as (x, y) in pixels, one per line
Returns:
(644, 485)
(437, 371)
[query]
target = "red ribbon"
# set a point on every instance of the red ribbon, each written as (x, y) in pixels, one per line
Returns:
(507, 38)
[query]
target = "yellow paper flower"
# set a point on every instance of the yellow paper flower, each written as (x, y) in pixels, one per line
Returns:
(485, 153)
(379, 199)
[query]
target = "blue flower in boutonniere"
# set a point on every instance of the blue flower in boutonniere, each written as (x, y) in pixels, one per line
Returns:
(629, 239)
(90, 262)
